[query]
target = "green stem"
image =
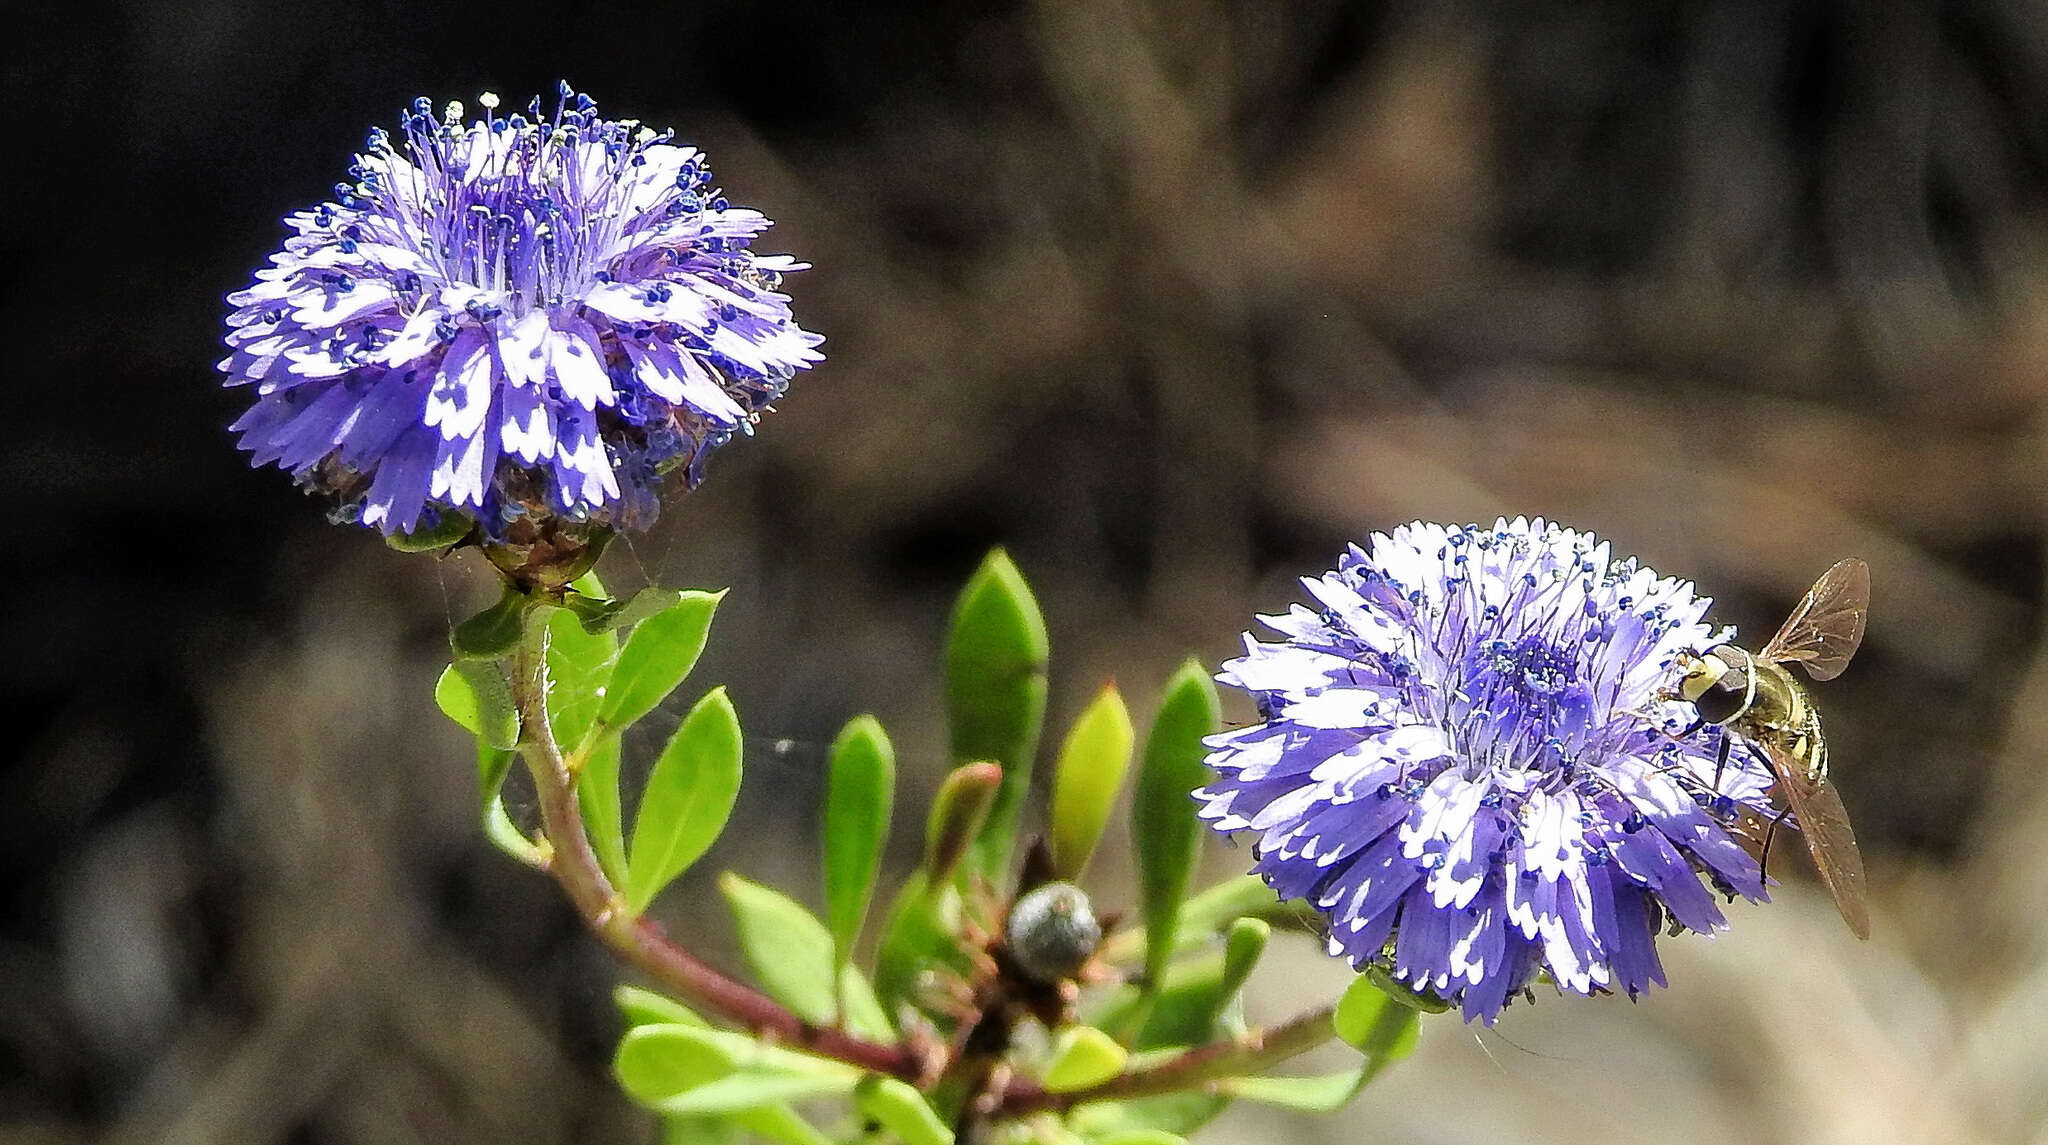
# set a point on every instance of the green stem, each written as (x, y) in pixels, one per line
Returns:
(635, 940)
(1255, 1054)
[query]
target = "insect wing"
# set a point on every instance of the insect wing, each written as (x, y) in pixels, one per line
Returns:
(1827, 627)
(1824, 824)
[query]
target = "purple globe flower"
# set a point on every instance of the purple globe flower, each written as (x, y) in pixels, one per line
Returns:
(526, 321)
(1465, 762)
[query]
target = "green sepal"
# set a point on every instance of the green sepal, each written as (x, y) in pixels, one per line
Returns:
(687, 800)
(450, 529)
(1403, 993)
(1082, 1056)
(647, 1008)
(493, 633)
(792, 957)
(659, 652)
(1373, 1023)
(899, 1108)
(1086, 779)
(996, 654)
(860, 793)
(1165, 833)
(595, 614)
(475, 695)
(959, 814)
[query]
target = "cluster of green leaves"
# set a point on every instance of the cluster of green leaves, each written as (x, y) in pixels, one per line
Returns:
(1156, 990)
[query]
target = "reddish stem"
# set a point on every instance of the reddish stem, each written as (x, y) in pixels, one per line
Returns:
(639, 942)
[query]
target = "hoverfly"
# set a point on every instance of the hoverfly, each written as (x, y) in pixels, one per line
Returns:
(1754, 696)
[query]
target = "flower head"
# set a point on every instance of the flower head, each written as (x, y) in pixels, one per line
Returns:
(526, 320)
(1467, 761)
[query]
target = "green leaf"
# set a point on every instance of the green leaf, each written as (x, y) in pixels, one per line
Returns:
(781, 1124)
(1083, 1056)
(659, 652)
(789, 950)
(475, 695)
(1176, 1113)
(1242, 946)
(1141, 1137)
(1183, 1012)
(1186, 1006)
(604, 819)
(1384, 1030)
(646, 1008)
(451, 528)
(918, 932)
(752, 1089)
(1324, 1093)
(688, 797)
(1164, 830)
(602, 614)
(494, 632)
(860, 793)
(902, 1110)
(995, 692)
(959, 811)
(655, 1062)
(699, 1131)
(492, 766)
(1205, 914)
(579, 663)
(1090, 771)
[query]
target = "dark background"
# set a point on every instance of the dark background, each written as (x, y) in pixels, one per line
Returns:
(1172, 300)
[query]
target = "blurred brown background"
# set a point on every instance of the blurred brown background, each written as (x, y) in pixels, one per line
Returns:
(1173, 299)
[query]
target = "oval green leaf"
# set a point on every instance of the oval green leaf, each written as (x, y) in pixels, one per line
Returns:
(1323, 1093)
(1384, 1030)
(475, 695)
(1090, 772)
(996, 655)
(494, 632)
(1083, 1056)
(689, 796)
(659, 652)
(1165, 832)
(647, 1008)
(656, 1062)
(860, 793)
(902, 1110)
(959, 812)
(789, 950)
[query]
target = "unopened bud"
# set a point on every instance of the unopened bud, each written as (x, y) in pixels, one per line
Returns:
(1052, 932)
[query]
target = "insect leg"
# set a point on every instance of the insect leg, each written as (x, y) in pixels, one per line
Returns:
(1763, 860)
(1721, 757)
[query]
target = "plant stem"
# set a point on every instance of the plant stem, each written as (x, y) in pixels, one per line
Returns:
(635, 940)
(1254, 1054)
